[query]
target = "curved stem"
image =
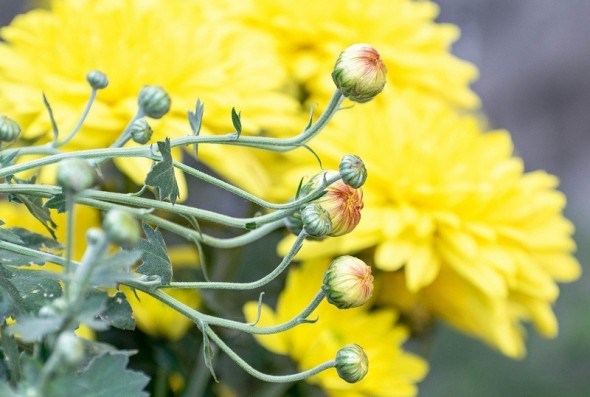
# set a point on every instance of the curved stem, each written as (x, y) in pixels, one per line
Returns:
(260, 375)
(80, 122)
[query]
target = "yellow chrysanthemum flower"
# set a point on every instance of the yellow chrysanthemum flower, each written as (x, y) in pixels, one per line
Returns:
(193, 49)
(481, 241)
(392, 372)
(413, 47)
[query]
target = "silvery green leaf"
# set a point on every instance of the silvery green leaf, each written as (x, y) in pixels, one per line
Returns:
(156, 261)
(162, 177)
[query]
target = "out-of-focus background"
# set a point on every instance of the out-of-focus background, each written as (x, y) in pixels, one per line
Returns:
(534, 60)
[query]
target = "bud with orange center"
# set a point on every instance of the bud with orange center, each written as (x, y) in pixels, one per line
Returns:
(348, 282)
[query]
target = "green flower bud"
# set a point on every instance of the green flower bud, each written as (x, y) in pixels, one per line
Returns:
(97, 79)
(70, 348)
(154, 101)
(9, 129)
(121, 228)
(342, 202)
(348, 282)
(294, 223)
(140, 131)
(316, 220)
(359, 73)
(94, 235)
(352, 363)
(353, 171)
(76, 174)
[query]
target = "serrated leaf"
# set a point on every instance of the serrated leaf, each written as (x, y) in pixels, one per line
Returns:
(33, 329)
(156, 261)
(91, 308)
(57, 202)
(53, 123)
(29, 240)
(106, 376)
(7, 235)
(162, 177)
(118, 312)
(115, 269)
(236, 121)
(35, 288)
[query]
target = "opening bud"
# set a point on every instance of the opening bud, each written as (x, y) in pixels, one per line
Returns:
(316, 220)
(153, 101)
(352, 363)
(359, 73)
(342, 202)
(76, 174)
(121, 228)
(97, 79)
(348, 282)
(353, 171)
(9, 129)
(140, 131)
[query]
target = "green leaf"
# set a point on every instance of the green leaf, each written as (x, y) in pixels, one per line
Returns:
(251, 225)
(310, 122)
(106, 376)
(57, 202)
(156, 261)
(236, 121)
(6, 161)
(315, 154)
(29, 240)
(118, 312)
(161, 176)
(196, 121)
(35, 206)
(33, 329)
(7, 235)
(115, 269)
(35, 288)
(53, 123)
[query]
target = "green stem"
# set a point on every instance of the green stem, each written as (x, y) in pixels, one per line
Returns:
(70, 200)
(260, 375)
(80, 122)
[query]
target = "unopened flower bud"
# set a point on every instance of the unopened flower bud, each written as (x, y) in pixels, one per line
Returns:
(76, 174)
(121, 228)
(70, 347)
(352, 363)
(94, 235)
(294, 222)
(353, 171)
(342, 202)
(9, 129)
(97, 79)
(348, 282)
(359, 73)
(154, 101)
(316, 220)
(140, 131)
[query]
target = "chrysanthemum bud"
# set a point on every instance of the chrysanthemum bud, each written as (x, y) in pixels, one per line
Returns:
(140, 131)
(9, 129)
(316, 220)
(342, 202)
(121, 228)
(352, 363)
(348, 282)
(353, 171)
(294, 223)
(154, 101)
(359, 73)
(70, 348)
(76, 174)
(97, 79)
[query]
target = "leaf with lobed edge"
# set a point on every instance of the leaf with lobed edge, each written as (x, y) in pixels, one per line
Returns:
(162, 177)
(156, 261)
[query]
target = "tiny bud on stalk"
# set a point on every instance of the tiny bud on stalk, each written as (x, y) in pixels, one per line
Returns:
(352, 363)
(97, 79)
(140, 131)
(121, 228)
(76, 175)
(9, 129)
(359, 73)
(316, 220)
(154, 101)
(348, 282)
(353, 171)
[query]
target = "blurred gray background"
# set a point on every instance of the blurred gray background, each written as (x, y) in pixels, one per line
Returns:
(534, 59)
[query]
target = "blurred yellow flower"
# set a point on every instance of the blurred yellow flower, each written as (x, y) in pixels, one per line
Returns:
(193, 49)
(392, 372)
(414, 48)
(483, 242)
